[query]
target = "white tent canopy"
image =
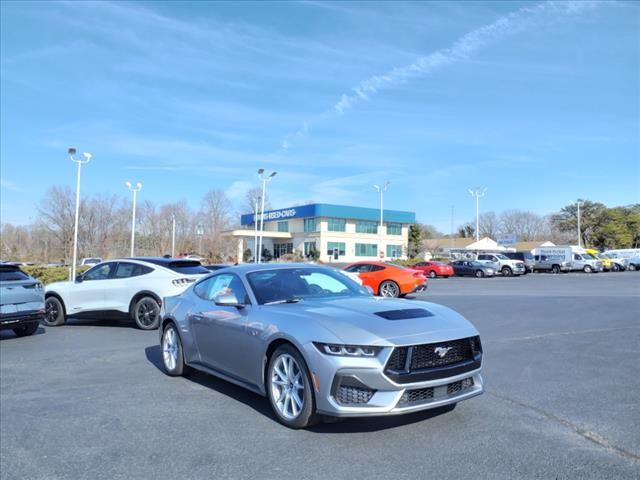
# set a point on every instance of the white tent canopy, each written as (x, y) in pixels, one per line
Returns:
(486, 244)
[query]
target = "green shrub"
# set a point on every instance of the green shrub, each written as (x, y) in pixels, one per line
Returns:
(52, 274)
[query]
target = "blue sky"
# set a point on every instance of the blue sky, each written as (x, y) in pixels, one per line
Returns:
(537, 102)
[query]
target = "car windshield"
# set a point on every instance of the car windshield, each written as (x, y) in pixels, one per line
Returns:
(287, 284)
(587, 256)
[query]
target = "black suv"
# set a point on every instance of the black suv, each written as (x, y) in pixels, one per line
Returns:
(526, 257)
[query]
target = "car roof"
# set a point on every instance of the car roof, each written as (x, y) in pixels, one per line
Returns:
(252, 267)
(162, 261)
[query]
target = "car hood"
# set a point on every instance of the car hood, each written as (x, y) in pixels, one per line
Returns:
(355, 320)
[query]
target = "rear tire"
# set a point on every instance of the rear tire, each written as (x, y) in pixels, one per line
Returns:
(26, 330)
(289, 388)
(555, 269)
(632, 267)
(146, 313)
(432, 274)
(389, 288)
(54, 316)
(615, 267)
(479, 273)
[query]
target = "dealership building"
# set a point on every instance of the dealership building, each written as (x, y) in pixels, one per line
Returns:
(339, 233)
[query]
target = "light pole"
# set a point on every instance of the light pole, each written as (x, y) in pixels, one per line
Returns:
(265, 178)
(135, 191)
(200, 232)
(579, 203)
(173, 236)
(87, 157)
(255, 233)
(477, 192)
(381, 190)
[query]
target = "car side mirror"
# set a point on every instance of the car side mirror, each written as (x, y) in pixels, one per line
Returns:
(228, 300)
(79, 279)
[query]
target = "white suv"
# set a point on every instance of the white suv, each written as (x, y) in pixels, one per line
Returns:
(131, 287)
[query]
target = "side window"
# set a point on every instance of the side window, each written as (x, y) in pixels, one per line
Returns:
(376, 268)
(577, 257)
(422, 264)
(223, 284)
(482, 257)
(128, 270)
(99, 272)
(359, 268)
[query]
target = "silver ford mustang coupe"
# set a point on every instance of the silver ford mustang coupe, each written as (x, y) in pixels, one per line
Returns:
(317, 343)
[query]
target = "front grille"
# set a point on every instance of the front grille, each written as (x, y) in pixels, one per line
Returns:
(425, 356)
(434, 360)
(425, 395)
(459, 386)
(353, 395)
(397, 360)
(417, 396)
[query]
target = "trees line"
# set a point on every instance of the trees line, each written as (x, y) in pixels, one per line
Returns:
(104, 228)
(601, 227)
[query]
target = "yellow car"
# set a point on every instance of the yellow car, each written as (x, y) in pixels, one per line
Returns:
(607, 263)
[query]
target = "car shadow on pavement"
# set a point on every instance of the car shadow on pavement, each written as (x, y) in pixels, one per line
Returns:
(261, 405)
(7, 334)
(99, 322)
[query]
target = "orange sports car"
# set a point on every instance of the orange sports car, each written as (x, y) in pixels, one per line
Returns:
(388, 279)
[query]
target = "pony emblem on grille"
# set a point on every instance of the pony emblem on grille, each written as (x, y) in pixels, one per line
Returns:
(442, 351)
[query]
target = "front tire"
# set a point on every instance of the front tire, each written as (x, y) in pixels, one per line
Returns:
(389, 288)
(54, 316)
(587, 269)
(632, 267)
(172, 353)
(506, 272)
(26, 330)
(146, 313)
(289, 388)
(555, 269)
(615, 267)
(432, 274)
(479, 274)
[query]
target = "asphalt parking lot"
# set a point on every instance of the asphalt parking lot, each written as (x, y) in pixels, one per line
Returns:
(562, 352)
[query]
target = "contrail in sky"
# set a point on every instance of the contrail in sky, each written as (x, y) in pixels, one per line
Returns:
(461, 49)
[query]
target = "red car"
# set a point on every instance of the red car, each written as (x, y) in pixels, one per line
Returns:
(388, 279)
(434, 269)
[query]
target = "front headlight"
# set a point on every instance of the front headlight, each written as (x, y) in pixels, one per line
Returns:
(347, 350)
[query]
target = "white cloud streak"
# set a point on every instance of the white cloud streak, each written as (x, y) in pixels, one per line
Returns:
(461, 49)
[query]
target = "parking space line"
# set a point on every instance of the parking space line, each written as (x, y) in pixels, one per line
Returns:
(558, 334)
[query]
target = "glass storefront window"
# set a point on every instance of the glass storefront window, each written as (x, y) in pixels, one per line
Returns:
(394, 229)
(283, 226)
(364, 226)
(339, 245)
(337, 225)
(366, 250)
(394, 251)
(309, 224)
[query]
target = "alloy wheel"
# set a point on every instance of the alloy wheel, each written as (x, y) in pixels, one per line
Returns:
(147, 313)
(170, 349)
(433, 274)
(51, 311)
(389, 289)
(287, 386)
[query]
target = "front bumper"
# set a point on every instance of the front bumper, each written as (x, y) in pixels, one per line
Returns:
(370, 392)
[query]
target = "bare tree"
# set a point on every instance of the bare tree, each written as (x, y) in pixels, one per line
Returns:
(526, 225)
(253, 198)
(489, 225)
(57, 214)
